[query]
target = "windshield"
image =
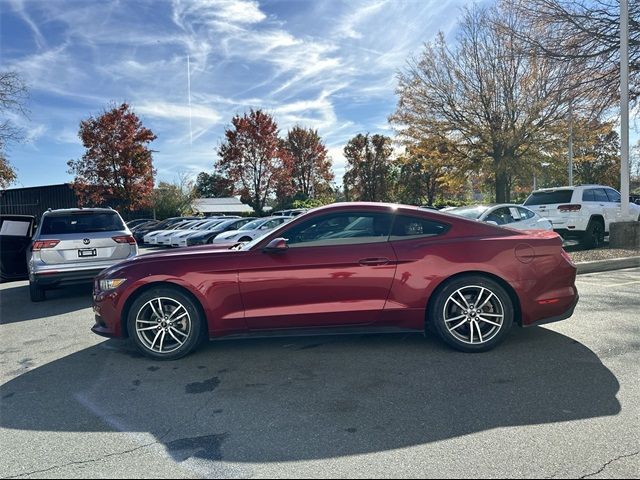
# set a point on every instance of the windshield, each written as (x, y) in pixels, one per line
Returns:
(253, 225)
(472, 213)
(82, 222)
(208, 224)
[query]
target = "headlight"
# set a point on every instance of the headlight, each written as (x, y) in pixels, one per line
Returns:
(111, 284)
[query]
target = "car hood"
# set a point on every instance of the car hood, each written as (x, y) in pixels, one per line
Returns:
(174, 254)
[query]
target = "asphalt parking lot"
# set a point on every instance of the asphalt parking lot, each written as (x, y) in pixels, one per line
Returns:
(554, 401)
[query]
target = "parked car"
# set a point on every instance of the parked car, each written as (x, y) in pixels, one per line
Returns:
(73, 245)
(207, 236)
(252, 230)
(163, 225)
(176, 239)
(164, 238)
(149, 223)
(582, 212)
(505, 215)
(138, 221)
(294, 212)
(345, 268)
(152, 237)
(15, 238)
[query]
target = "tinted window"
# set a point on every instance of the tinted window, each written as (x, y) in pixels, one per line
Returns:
(341, 229)
(252, 225)
(613, 195)
(15, 228)
(81, 223)
(600, 195)
(406, 227)
(549, 198)
(588, 196)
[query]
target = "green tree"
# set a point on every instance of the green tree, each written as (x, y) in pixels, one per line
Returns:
(213, 186)
(173, 199)
(430, 169)
(369, 172)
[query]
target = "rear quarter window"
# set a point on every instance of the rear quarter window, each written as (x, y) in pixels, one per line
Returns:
(406, 227)
(549, 198)
(81, 223)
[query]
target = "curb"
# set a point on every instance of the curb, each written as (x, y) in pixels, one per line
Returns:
(606, 265)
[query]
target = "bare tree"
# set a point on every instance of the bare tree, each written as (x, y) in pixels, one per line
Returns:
(486, 93)
(13, 96)
(585, 35)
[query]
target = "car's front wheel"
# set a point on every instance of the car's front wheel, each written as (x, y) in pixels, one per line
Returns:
(472, 313)
(165, 323)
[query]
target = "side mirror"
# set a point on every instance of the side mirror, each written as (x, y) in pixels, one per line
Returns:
(491, 222)
(277, 245)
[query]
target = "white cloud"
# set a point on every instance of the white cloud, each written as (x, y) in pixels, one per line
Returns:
(167, 110)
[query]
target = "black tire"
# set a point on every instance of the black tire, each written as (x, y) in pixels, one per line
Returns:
(245, 239)
(594, 235)
(142, 313)
(471, 324)
(36, 292)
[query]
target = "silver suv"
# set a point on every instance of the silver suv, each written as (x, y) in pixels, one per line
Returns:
(74, 245)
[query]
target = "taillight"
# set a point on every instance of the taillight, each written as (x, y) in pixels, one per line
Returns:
(569, 208)
(125, 239)
(42, 244)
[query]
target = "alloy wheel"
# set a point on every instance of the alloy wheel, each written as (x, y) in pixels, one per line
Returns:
(473, 314)
(163, 325)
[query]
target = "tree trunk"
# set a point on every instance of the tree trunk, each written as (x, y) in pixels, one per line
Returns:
(501, 187)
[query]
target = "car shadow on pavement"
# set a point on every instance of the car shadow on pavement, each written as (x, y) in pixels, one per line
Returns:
(275, 400)
(15, 305)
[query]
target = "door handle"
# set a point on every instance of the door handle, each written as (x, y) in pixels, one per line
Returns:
(373, 261)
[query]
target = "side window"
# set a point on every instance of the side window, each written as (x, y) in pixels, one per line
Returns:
(501, 216)
(526, 214)
(588, 196)
(613, 195)
(340, 229)
(406, 227)
(600, 195)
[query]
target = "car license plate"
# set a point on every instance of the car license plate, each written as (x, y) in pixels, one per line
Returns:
(87, 252)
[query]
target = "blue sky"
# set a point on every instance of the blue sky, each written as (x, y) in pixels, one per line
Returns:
(325, 64)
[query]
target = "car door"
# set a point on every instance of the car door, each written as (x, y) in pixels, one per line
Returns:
(614, 206)
(16, 232)
(337, 271)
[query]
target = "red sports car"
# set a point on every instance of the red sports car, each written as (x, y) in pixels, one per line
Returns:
(344, 268)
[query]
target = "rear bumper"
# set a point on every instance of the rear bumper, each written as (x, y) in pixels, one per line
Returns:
(60, 278)
(563, 316)
(569, 233)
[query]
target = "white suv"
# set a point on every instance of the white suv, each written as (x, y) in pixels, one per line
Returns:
(582, 212)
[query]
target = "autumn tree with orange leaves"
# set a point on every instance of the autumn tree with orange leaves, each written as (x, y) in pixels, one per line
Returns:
(252, 157)
(117, 167)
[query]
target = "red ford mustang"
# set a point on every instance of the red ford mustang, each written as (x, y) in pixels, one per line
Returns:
(344, 268)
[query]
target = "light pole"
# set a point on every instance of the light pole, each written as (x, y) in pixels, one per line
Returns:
(624, 107)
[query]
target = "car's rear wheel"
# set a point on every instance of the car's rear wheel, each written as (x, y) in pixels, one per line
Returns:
(36, 292)
(594, 235)
(245, 239)
(472, 313)
(165, 323)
